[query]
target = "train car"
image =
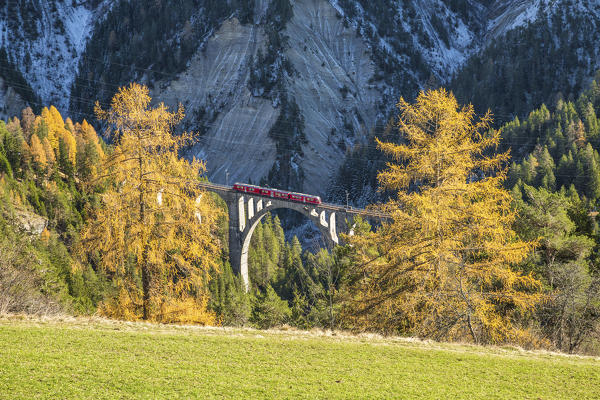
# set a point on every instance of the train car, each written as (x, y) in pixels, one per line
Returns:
(277, 194)
(241, 187)
(312, 199)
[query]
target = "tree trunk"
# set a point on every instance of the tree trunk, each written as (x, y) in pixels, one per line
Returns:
(145, 271)
(145, 285)
(471, 329)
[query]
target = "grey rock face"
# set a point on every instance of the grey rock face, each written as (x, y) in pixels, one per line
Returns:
(29, 222)
(331, 86)
(11, 103)
(236, 145)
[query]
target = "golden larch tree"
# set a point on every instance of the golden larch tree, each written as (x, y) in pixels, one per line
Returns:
(49, 151)
(441, 267)
(147, 230)
(71, 145)
(54, 124)
(69, 125)
(37, 152)
(89, 150)
(87, 133)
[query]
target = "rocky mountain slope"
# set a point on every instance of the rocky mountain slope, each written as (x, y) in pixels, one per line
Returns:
(235, 124)
(331, 69)
(344, 75)
(11, 103)
(45, 39)
(553, 54)
(281, 90)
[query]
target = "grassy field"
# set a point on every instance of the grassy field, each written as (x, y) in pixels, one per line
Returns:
(77, 358)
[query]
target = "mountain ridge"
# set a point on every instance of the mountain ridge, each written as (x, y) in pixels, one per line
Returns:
(341, 64)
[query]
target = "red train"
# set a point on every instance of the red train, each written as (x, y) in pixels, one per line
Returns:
(276, 193)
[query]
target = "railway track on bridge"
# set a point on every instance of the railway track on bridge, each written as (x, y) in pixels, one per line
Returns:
(327, 206)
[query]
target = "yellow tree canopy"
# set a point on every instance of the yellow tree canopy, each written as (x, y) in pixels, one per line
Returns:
(36, 123)
(88, 133)
(71, 146)
(69, 125)
(147, 229)
(50, 156)
(53, 127)
(57, 131)
(37, 152)
(442, 267)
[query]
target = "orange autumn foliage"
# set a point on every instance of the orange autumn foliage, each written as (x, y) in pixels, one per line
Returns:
(441, 267)
(146, 229)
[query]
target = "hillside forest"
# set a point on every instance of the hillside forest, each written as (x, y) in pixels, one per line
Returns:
(492, 236)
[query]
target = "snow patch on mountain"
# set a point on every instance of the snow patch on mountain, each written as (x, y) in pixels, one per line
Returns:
(444, 38)
(45, 40)
(508, 16)
(444, 56)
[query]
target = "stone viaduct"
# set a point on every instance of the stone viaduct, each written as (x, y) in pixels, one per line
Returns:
(246, 210)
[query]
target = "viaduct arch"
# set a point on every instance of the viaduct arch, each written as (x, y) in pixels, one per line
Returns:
(246, 210)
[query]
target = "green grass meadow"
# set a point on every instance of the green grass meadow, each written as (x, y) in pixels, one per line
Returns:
(95, 359)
